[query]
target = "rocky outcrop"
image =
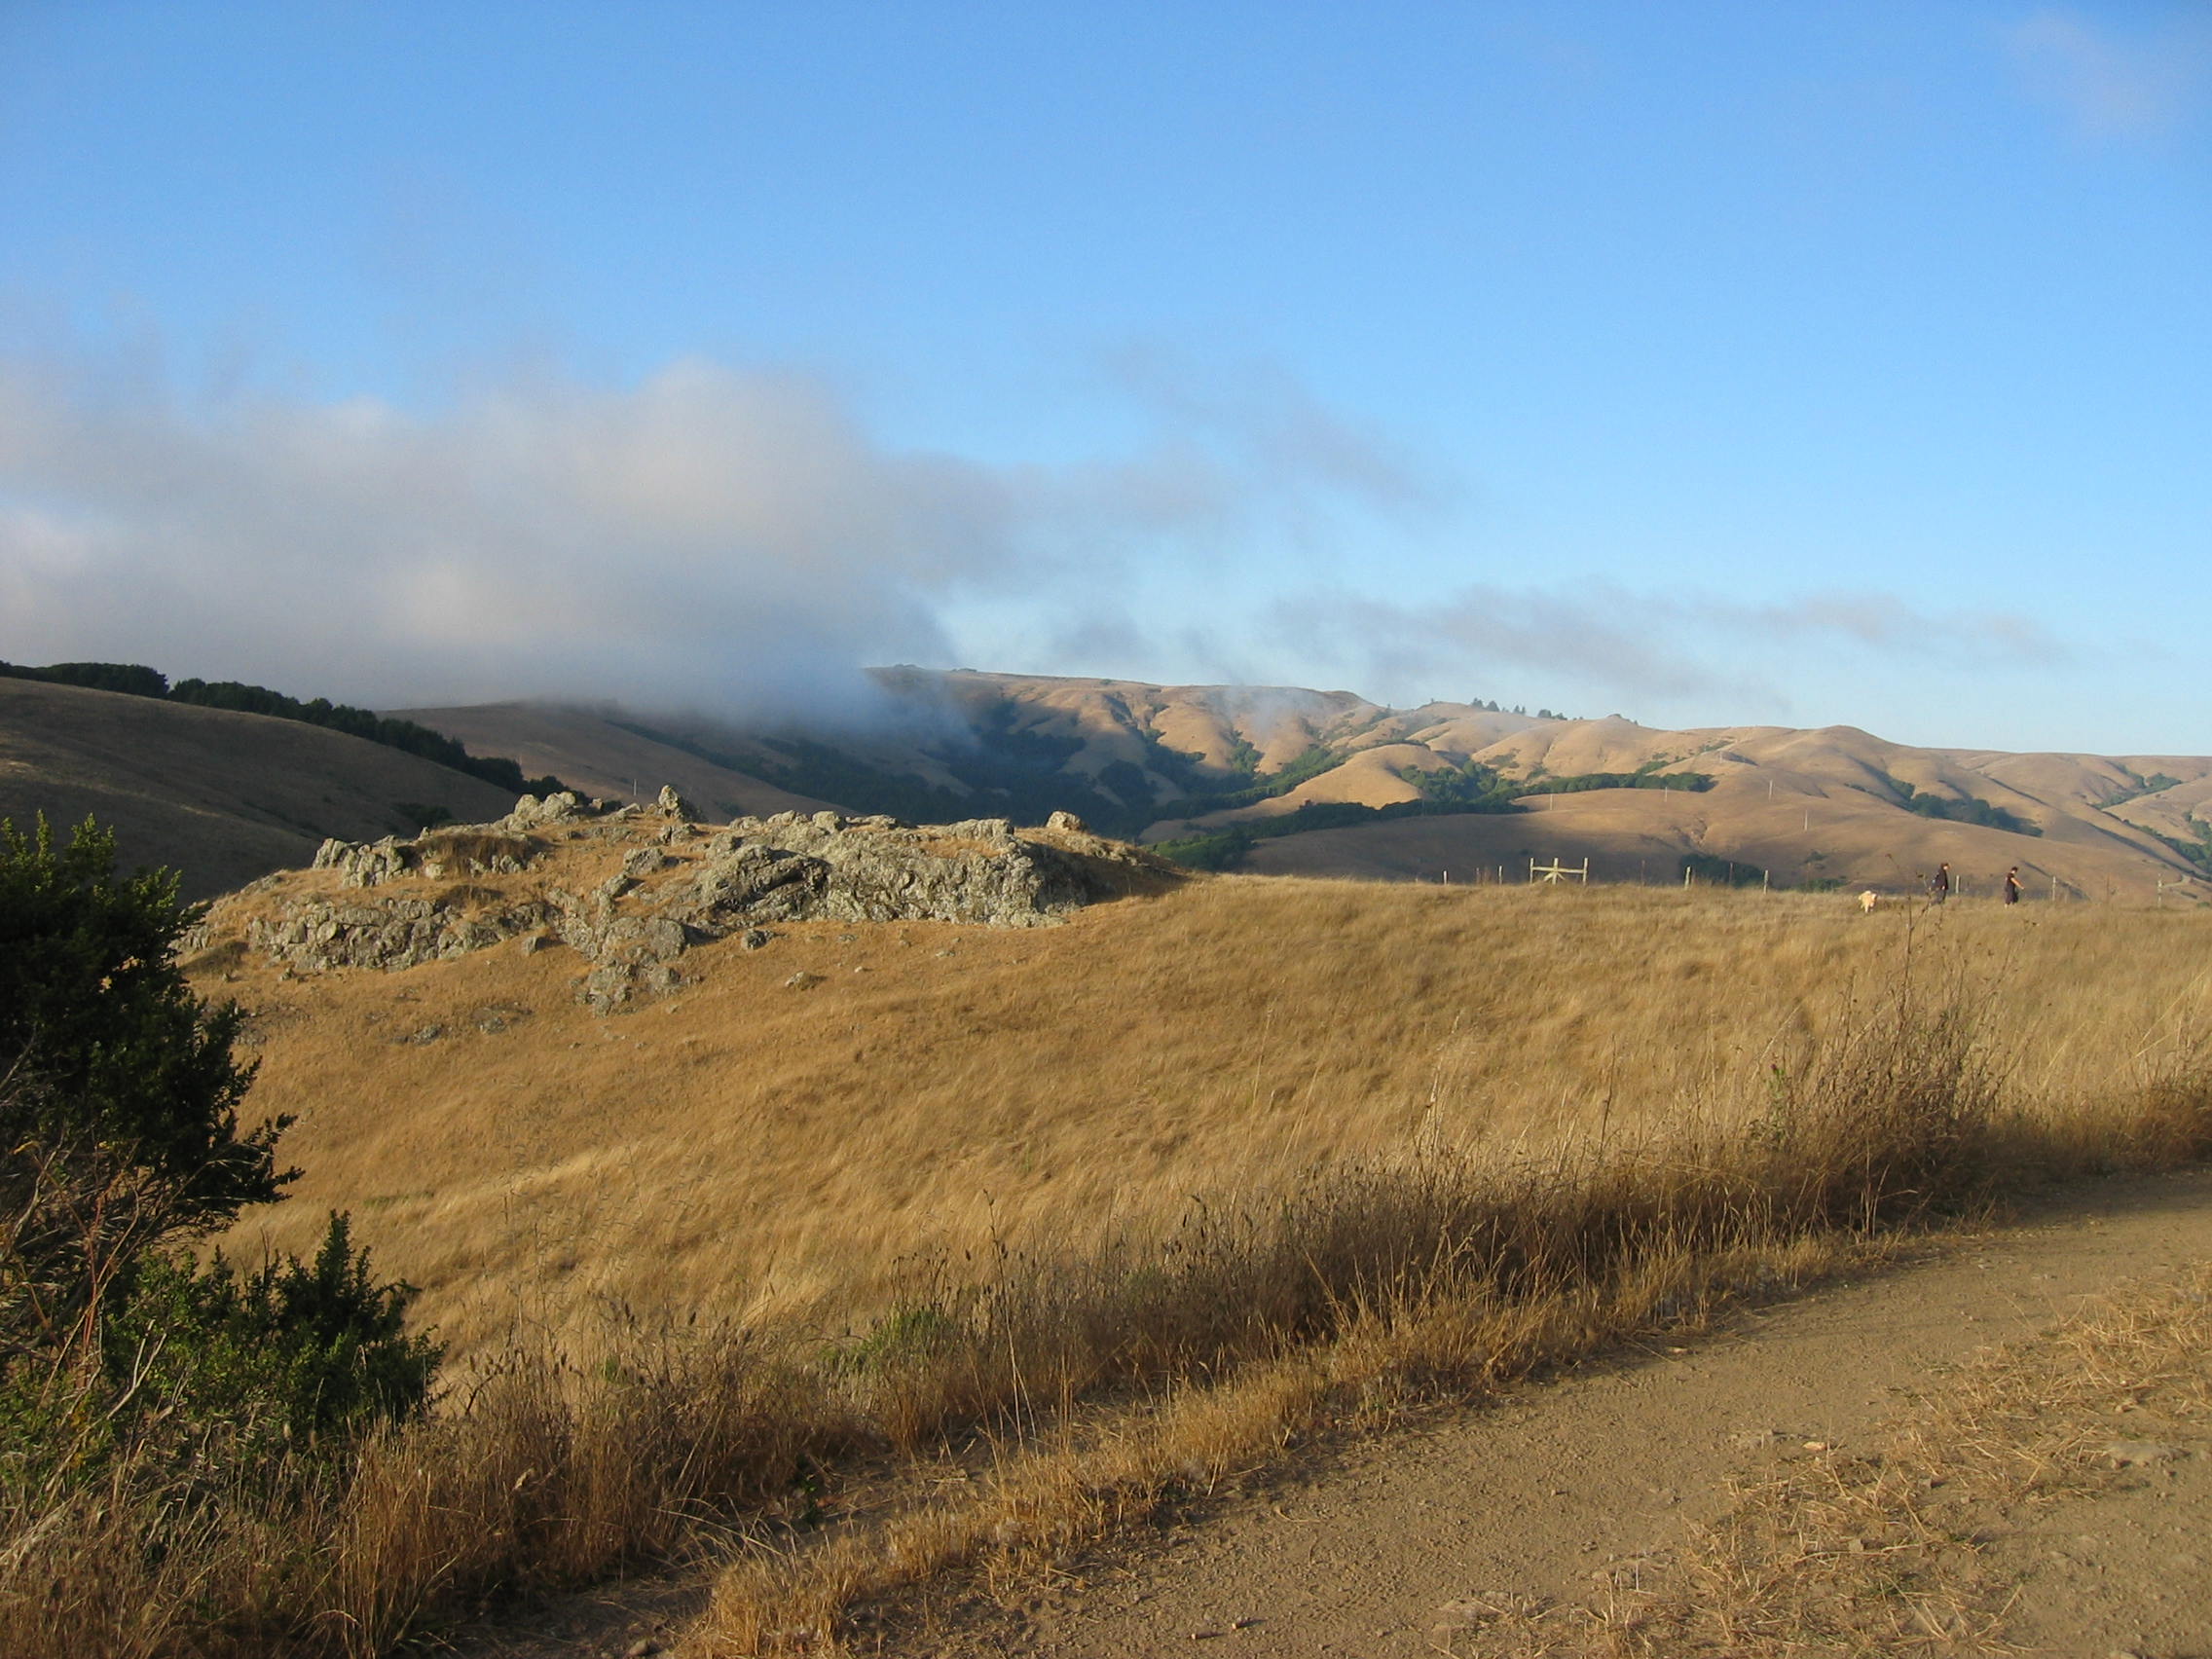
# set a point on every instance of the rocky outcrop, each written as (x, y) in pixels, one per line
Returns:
(670, 887)
(530, 813)
(491, 849)
(876, 869)
(314, 935)
(361, 863)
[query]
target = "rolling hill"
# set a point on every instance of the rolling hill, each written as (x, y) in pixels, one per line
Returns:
(1284, 780)
(1271, 779)
(221, 796)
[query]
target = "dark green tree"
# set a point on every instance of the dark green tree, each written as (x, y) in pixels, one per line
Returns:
(119, 1142)
(95, 1012)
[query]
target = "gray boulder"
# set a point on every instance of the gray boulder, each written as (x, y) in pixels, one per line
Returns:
(530, 813)
(789, 867)
(314, 935)
(362, 864)
(829, 869)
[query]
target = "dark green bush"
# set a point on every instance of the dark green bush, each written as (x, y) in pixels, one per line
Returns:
(123, 1078)
(132, 679)
(119, 1147)
(1963, 809)
(1221, 849)
(297, 1353)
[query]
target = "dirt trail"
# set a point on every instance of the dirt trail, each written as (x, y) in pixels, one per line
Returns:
(1535, 1496)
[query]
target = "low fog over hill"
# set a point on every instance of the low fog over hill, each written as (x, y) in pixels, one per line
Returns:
(1287, 779)
(1271, 779)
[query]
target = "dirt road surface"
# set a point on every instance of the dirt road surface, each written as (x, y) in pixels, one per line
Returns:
(1367, 1550)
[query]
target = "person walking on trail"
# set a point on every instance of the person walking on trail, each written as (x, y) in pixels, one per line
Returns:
(1940, 885)
(2012, 885)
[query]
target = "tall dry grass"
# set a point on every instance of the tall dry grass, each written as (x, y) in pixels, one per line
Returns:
(781, 1154)
(1361, 1208)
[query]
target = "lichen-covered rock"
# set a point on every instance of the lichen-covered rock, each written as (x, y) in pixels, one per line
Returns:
(465, 849)
(644, 861)
(361, 863)
(314, 935)
(643, 905)
(755, 882)
(878, 869)
(530, 813)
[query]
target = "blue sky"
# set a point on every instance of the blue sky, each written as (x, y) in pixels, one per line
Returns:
(1709, 363)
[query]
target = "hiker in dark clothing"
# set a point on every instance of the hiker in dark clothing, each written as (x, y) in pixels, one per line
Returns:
(2012, 885)
(1940, 885)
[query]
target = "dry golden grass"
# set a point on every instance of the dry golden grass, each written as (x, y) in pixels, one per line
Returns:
(220, 797)
(760, 1150)
(1092, 1211)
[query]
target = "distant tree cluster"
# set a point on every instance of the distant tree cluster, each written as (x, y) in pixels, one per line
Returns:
(2197, 852)
(1963, 809)
(1642, 778)
(1303, 768)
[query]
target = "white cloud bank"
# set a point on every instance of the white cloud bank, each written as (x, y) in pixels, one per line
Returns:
(738, 543)
(730, 538)
(725, 539)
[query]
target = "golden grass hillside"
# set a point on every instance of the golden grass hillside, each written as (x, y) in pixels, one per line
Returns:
(219, 797)
(748, 1146)
(886, 1251)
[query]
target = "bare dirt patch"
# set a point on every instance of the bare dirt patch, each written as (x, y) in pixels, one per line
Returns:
(1521, 1527)
(2048, 1495)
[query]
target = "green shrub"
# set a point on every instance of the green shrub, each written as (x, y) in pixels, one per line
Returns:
(303, 1353)
(119, 1145)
